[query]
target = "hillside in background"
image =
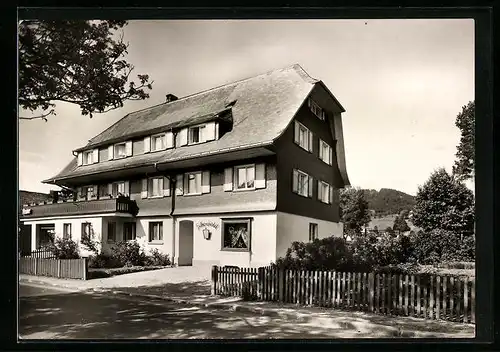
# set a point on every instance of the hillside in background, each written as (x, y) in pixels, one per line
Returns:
(388, 201)
(26, 197)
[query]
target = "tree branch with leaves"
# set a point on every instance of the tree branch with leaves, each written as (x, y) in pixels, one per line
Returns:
(465, 158)
(78, 62)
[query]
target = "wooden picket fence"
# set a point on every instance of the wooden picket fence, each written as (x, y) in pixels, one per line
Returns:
(423, 295)
(40, 253)
(60, 268)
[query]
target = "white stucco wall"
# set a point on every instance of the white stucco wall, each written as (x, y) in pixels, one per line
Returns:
(291, 228)
(263, 240)
(142, 235)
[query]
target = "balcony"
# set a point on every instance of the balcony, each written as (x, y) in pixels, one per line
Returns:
(121, 205)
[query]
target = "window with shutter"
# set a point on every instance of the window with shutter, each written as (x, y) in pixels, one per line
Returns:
(302, 183)
(88, 157)
(325, 152)
(155, 187)
(316, 109)
(324, 192)
(120, 150)
(158, 142)
(245, 177)
(193, 183)
(303, 137)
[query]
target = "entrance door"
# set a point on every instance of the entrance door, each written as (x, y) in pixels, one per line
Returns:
(186, 229)
(25, 240)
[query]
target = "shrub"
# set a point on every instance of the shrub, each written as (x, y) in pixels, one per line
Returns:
(331, 253)
(129, 254)
(156, 258)
(103, 261)
(398, 269)
(64, 248)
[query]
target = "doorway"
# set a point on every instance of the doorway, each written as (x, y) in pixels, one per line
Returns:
(25, 240)
(186, 229)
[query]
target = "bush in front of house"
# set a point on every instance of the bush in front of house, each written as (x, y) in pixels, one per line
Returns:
(331, 253)
(129, 253)
(103, 260)
(64, 248)
(156, 258)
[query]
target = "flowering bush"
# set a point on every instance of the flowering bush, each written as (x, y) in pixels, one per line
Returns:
(64, 248)
(129, 254)
(156, 258)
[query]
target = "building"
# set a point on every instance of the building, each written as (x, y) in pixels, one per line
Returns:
(229, 176)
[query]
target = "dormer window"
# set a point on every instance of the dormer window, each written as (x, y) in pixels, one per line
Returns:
(120, 150)
(88, 157)
(195, 134)
(158, 142)
(316, 109)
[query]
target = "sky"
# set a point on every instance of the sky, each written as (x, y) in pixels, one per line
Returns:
(402, 83)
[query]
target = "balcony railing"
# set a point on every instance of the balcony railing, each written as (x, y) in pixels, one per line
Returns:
(62, 208)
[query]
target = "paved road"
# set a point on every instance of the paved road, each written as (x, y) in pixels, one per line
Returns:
(47, 313)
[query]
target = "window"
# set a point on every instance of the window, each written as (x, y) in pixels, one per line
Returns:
(90, 192)
(118, 188)
(155, 231)
(129, 231)
(303, 137)
(88, 157)
(193, 183)
(313, 231)
(324, 192)
(236, 235)
(302, 183)
(111, 231)
(316, 109)
(325, 152)
(86, 231)
(245, 177)
(195, 134)
(155, 187)
(120, 150)
(67, 231)
(158, 142)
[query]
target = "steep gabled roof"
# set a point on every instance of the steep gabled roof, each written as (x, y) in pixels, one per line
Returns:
(264, 106)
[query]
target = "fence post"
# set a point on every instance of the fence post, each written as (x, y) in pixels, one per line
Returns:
(36, 266)
(85, 269)
(371, 284)
(281, 286)
(214, 280)
(58, 268)
(260, 283)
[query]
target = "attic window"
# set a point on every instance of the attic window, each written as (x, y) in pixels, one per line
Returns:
(120, 150)
(158, 142)
(316, 109)
(88, 157)
(194, 134)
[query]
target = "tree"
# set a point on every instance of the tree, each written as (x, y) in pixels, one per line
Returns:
(444, 203)
(355, 212)
(465, 160)
(400, 224)
(80, 62)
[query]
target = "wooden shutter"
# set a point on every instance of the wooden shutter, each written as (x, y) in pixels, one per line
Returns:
(144, 192)
(147, 144)
(95, 156)
(179, 185)
(228, 179)
(330, 193)
(209, 132)
(80, 159)
(185, 185)
(111, 150)
(330, 153)
(127, 188)
(183, 137)
(166, 187)
(128, 148)
(205, 182)
(319, 190)
(320, 151)
(296, 133)
(295, 181)
(169, 136)
(310, 187)
(310, 144)
(110, 189)
(260, 175)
